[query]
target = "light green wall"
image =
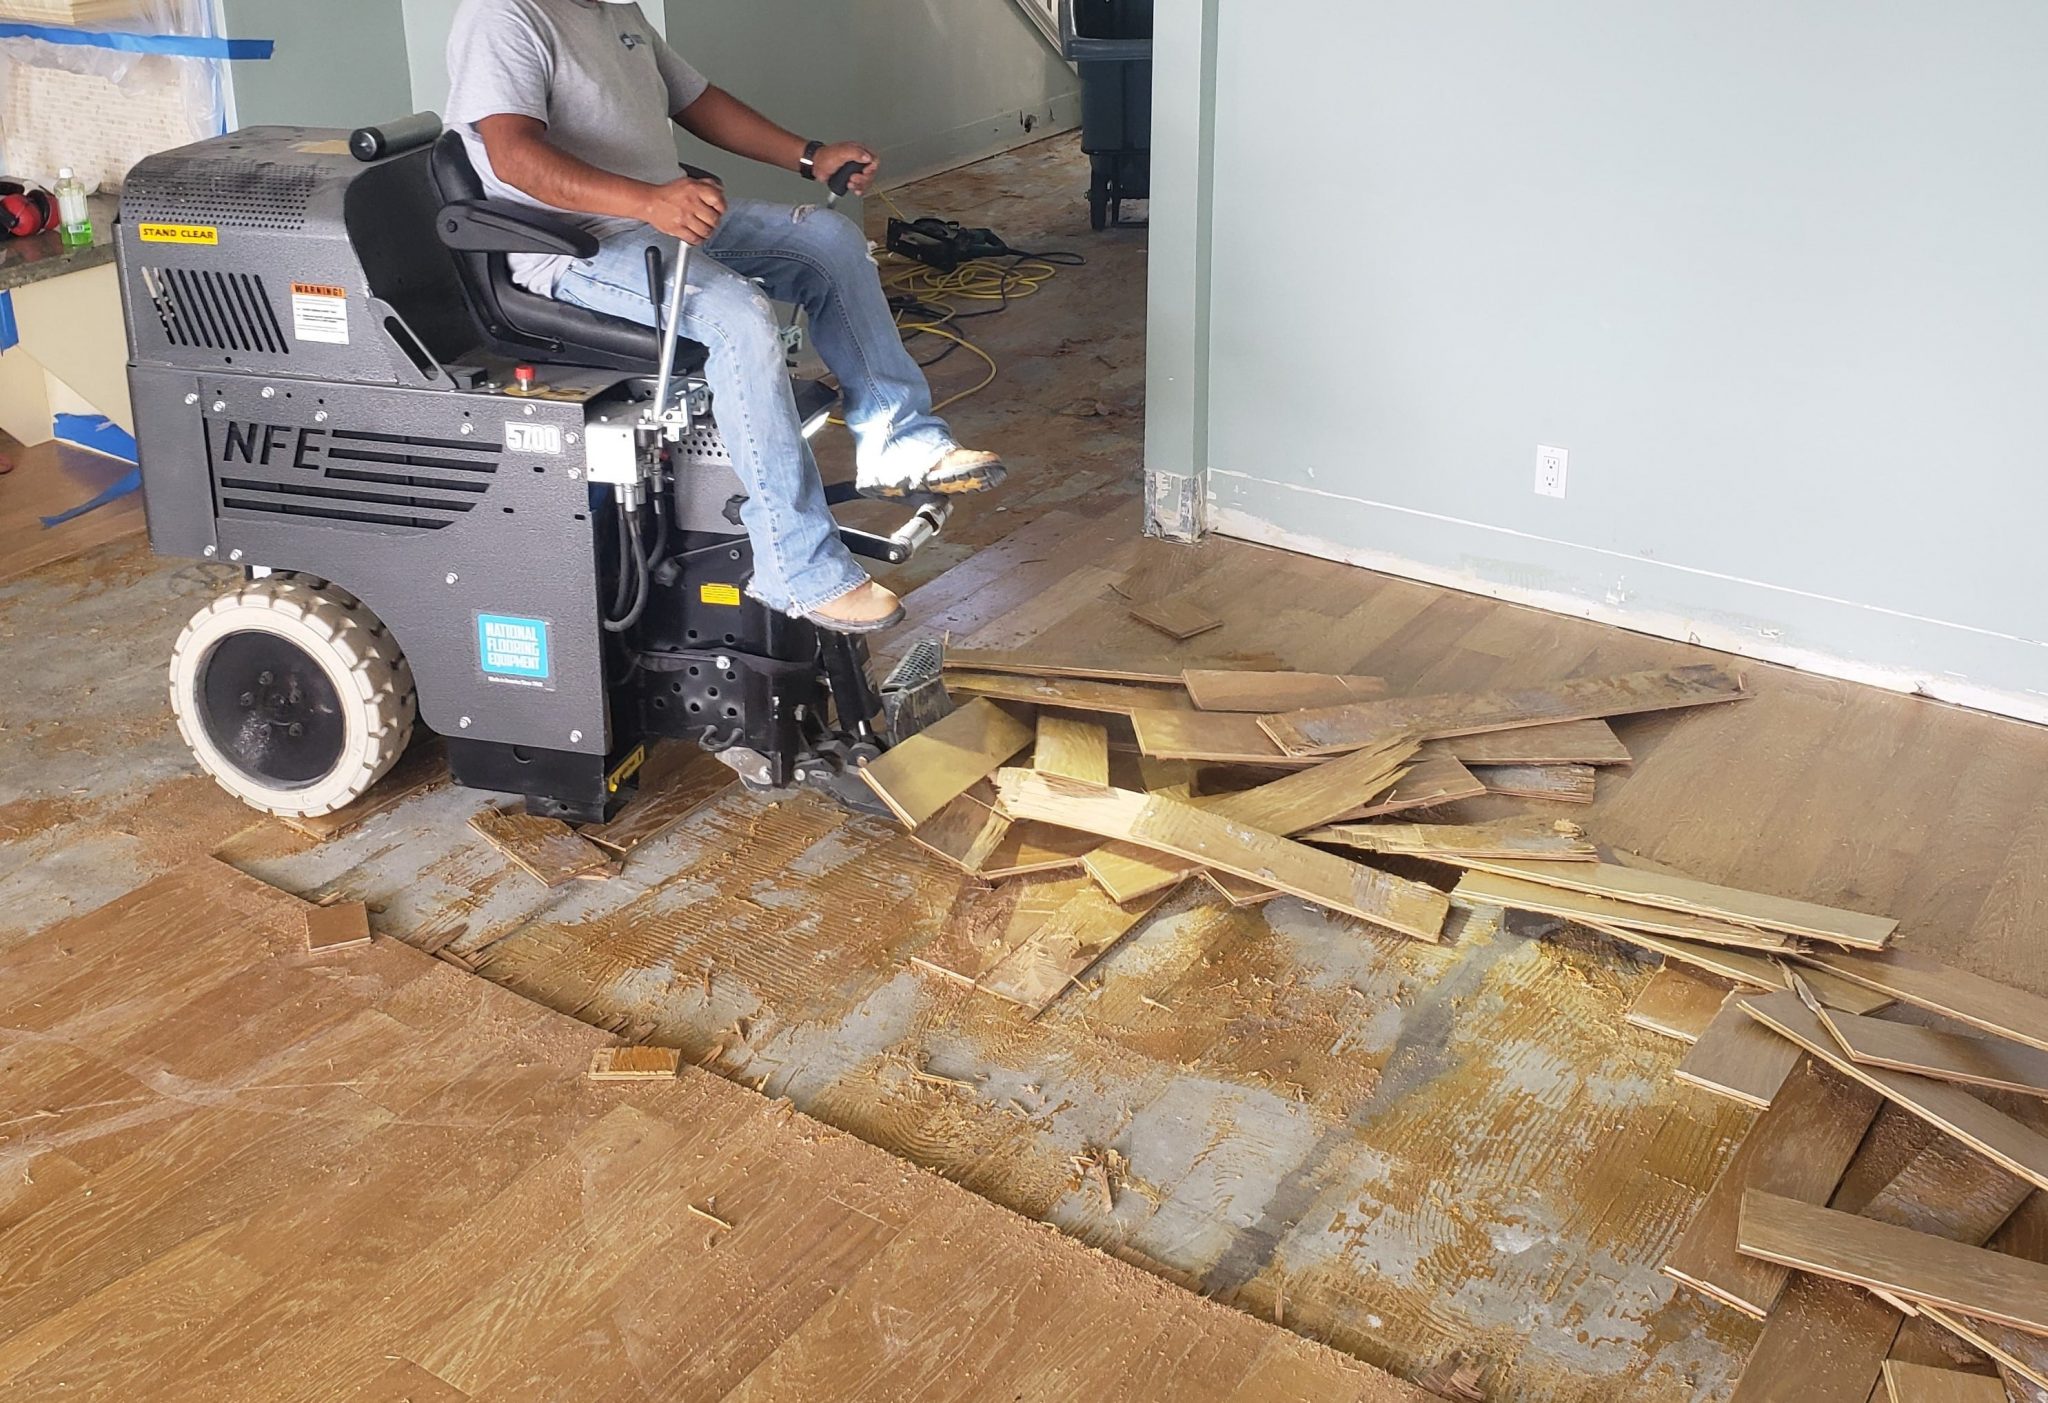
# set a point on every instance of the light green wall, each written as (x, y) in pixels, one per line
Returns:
(339, 63)
(1773, 274)
(931, 85)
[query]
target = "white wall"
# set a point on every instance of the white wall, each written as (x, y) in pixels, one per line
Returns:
(1775, 275)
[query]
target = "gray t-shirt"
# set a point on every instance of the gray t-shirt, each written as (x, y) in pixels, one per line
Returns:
(601, 77)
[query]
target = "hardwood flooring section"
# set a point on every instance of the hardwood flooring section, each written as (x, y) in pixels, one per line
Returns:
(374, 1177)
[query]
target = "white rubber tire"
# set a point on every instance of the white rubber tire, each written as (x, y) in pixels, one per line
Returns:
(352, 647)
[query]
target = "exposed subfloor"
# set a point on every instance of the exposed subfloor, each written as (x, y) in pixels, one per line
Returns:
(1403, 1150)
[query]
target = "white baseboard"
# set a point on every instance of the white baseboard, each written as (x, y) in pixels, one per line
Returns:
(934, 153)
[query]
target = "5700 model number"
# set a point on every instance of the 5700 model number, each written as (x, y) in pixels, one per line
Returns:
(534, 438)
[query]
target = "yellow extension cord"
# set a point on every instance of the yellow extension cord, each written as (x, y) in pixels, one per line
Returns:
(977, 281)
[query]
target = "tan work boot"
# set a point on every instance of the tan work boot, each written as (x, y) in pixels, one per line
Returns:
(868, 608)
(956, 471)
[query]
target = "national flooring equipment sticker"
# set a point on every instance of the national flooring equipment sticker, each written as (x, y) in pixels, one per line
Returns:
(513, 650)
(320, 313)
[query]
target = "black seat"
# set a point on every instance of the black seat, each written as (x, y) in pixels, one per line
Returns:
(516, 323)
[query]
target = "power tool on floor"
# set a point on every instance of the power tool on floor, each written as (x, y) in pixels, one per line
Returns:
(453, 501)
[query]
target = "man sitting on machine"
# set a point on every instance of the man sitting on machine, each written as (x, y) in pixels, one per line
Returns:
(565, 105)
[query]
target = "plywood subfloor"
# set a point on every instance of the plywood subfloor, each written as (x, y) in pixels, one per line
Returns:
(1404, 1150)
(237, 1170)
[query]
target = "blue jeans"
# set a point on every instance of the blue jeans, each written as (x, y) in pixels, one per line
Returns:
(818, 260)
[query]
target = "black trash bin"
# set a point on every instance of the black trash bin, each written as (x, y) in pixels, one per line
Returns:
(1111, 44)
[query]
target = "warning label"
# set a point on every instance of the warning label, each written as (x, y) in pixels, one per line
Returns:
(726, 595)
(178, 234)
(513, 650)
(320, 313)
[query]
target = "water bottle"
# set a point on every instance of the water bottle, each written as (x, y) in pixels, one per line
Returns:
(74, 220)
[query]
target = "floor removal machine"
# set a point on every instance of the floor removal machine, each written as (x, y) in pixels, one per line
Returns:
(454, 503)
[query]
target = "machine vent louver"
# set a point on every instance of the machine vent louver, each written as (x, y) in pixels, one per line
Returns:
(225, 194)
(377, 479)
(215, 311)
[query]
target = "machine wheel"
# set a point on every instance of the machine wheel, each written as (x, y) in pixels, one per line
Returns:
(292, 695)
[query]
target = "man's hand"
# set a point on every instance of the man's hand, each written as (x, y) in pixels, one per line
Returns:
(688, 209)
(832, 157)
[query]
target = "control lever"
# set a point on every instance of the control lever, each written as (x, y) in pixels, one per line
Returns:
(842, 181)
(671, 325)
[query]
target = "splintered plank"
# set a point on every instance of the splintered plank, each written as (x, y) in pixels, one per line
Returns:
(1329, 730)
(1931, 1052)
(342, 926)
(1180, 619)
(1558, 784)
(1530, 839)
(1283, 806)
(1071, 747)
(545, 848)
(1052, 958)
(677, 779)
(1798, 1149)
(2011, 1144)
(1562, 743)
(638, 1063)
(1239, 892)
(1213, 689)
(2025, 1235)
(1487, 888)
(1896, 1261)
(1742, 968)
(1434, 779)
(1676, 1004)
(1739, 1058)
(1033, 664)
(1029, 848)
(967, 832)
(1825, 1340)
(1718, 903)
(1181, 830)
(1071, 694)
(1918, 1383)
(1929, 984)
(1215, 737)
(946, 759)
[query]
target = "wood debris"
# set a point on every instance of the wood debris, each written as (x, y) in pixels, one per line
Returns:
(345, 925)
(544, 848)
(635, 1062)
(1178, 619)
(1104, 1170)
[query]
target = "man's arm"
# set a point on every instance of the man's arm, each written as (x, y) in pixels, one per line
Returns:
(523, 158)
(729, 124)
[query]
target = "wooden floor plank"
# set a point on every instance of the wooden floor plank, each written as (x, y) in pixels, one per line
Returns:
(546, 849)
(949, 757)
(1183, 831)
(1560, 743)
(1739, 1057)
(1525, 839)
(1797, 1149)
(1212, 689)
(677, 778)
(1897, 1261)
(1918, 1383)
(1929, 984)
(1329, 730)
(1522, 894)
(1556, 784)
(1071, 747)
(1946, 1056)
(1677, 1003)
(2014, 1146)
(1741, 967)
(1069, 694)
(1051, 959)
(966, 832)
(1179, 619)
(1031, 662)
(1718, 903)
(1436, 778)
(1217, 737)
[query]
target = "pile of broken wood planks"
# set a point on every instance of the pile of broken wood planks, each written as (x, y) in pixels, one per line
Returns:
(1876, 1276)
(1097, 792)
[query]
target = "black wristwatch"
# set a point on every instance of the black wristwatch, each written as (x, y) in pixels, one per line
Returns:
(809, 164)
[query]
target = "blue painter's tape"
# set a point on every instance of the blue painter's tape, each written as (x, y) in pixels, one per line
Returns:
(10, 330)
(174, 45)
(101, 435)
(512, 647)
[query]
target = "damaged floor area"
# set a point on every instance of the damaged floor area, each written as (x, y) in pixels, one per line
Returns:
(1411, 1152)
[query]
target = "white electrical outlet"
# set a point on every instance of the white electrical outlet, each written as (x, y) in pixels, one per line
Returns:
(1550, 470)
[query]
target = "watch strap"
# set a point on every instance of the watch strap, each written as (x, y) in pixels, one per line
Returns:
(809, 164)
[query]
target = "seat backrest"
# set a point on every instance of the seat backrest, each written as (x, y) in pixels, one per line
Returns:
(517, 323)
